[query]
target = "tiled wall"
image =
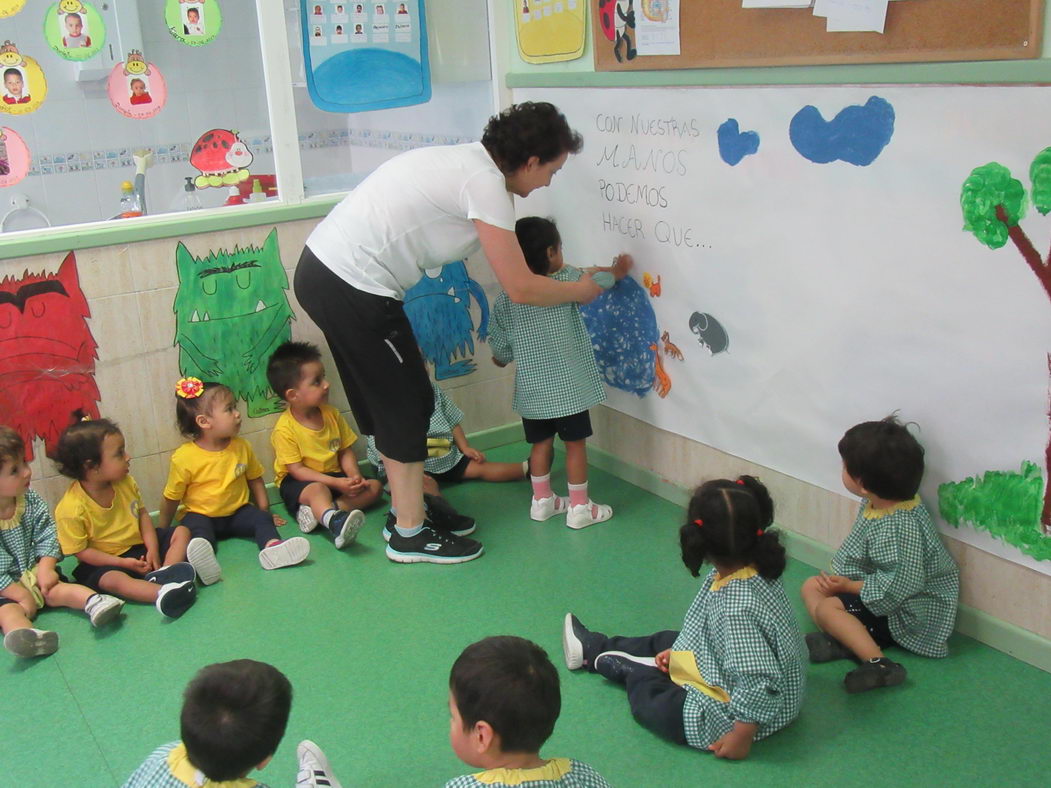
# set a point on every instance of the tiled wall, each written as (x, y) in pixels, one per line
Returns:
(130, 291)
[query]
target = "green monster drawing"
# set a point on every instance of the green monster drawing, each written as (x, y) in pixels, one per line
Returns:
(231, 312)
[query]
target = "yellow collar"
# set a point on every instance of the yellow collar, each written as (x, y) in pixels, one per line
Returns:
(555, 769)
(181, 769)
(743, 573)
(16, 518)
(869, 513)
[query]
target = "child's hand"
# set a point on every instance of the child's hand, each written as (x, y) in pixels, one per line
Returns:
(663, 660)
(46, 579)
(279, 520)
(474, 454)
(357, 484)
(499, 363)
(622, 263)
(136, 565)
(152, 561)
(736, 744)
(830, 585)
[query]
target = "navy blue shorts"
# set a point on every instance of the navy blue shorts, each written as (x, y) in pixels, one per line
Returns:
(569, 428)
(455, 473)
(90, 575)
(291, 489)
(877, 626)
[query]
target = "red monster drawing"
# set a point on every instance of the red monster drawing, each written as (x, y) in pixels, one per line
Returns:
(47, 354)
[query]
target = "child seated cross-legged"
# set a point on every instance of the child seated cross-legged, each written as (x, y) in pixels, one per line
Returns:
(504, 699)
(736, 672)
(103, 522)
(29, 553)
(214, 474)
(893, 581)
(314, 464)
(233, 717)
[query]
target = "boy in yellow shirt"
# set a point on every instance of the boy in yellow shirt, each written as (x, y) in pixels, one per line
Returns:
(314, 465)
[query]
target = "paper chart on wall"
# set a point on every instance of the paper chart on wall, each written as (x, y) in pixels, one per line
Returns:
(802, 250)
(550, 31)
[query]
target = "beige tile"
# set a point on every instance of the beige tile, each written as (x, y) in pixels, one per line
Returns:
(162, 371)
(151, 472)
(487, 404)
(127, 401)
(51, 489)
(116, 327)
(260, 442)
(153, 264)
(1005, 590)
(156, 318)
(105, 271)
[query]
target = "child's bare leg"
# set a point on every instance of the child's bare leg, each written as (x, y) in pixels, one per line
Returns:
(71, 595)
(812, 597)
(494, 471)
(318, 497)
(430, 485)
(120, 584)
(834, 619)
(177, 546)
(577, 462)
(13, 617)
(541, 456)
(367, 496)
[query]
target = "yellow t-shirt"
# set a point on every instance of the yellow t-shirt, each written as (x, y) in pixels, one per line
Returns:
(316, 449)
(212, 483)
(83, 523)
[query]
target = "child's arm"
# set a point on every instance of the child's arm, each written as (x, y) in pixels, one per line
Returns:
(45, 541)
(95, 557)
(622, 263)
(349, 464)
(149, 539)
(897, 555)
(302, 473)
(736, 744)
(499, 335)
(461, 443)
(167, 512)
(258, 489)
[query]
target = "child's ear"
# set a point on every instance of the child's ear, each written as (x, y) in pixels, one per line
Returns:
(552, 252)
(201, 419)
(483, 737)
(291, 395)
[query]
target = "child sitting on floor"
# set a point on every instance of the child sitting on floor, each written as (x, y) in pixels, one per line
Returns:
(233, 717)
(213, 474)
(893, 581)
(736, 671)
(103, 522)
(314, 464)
(29, 555)
(504, 699)
(556, 377)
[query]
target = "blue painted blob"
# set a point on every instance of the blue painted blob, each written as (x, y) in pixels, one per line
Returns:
(622, 326)
(857, 135)
(735, 144)
(368, 76)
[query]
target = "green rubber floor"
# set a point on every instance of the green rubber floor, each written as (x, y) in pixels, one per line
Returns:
(368, 644)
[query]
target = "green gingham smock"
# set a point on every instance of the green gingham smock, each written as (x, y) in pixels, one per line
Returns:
(907, 574)
(26, 537)
(746, 642)
(157, 772)
(557, 773)
(555, 370)
(445, 416)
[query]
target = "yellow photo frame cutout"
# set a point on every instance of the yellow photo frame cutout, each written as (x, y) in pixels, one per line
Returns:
(550, 31)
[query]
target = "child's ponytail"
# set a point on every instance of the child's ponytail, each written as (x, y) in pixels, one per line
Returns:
(80, 444)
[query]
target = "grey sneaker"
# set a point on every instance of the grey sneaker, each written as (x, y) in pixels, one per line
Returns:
(287, 552)
(305, 519)
(201, 556)
(875, 674)
(825, 648)
(31, 642)
(345, 526)
(102, 608)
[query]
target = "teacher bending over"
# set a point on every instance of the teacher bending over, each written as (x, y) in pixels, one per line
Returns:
(420, 210)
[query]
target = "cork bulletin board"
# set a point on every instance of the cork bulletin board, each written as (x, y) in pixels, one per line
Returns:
(720, 33)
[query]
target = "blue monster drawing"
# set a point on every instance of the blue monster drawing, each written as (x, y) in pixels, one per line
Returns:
(623, 329)
(438, 307)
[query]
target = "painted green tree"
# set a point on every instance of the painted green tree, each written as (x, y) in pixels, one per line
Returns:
(994, 202)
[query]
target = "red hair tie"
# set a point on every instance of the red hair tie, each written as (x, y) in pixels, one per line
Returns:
(741, 482)
(758, 531)
(698, 522)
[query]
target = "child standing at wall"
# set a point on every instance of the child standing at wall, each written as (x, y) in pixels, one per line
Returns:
(556, 377)
(29, 555)
(504, 699)
(213, 474)
(736, 671)
(893, 581)
(314, 464)
(103, 522)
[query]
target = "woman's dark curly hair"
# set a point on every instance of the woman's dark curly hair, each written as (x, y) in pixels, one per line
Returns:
(529, 129)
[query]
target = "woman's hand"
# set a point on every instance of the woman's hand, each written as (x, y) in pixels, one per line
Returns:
(587, 289)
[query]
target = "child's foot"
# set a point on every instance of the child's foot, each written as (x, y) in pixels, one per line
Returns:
(874, 674)
(102, 608)
(466, 527)
(585, 514)
(174, 573)
(432, 546)
(825, 648)
(306, 519)
(345, 526)
(314, 771)
(31, 642)
(618, 665)
(201, 556)
(541, 509)
(288, 552)
(441, 514)
(174, 599)
(579, 644)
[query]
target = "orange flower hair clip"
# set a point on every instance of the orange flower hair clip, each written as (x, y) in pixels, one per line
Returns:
(189, 388)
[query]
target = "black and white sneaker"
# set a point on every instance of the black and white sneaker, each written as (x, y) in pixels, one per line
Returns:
(618, 665)
(433, 547)
(345, 526)
(201, 556)
(173, 573)
(174, 599)
(579, 644)
(314, 769)
(465, 529)
(441, 514)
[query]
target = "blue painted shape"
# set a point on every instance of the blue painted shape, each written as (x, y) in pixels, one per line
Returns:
(439, 310)
(735, 144)
(622, 326)
(857, 135)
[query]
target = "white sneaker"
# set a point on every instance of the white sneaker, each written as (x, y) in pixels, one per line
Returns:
(584, 514)
(103, 608)
(541, 509)
(29, 642)
(306, 519)
(201, 556)
(286, 553)
(174, 599)
(314, 770)
(349, 524)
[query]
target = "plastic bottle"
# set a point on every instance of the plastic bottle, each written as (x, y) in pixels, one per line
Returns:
(257, 194)
(130, 205)
(191, 200)
(234, 196)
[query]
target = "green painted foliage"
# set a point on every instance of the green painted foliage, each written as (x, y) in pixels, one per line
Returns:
(1002, 503)
(985, 188)
(1040, 175)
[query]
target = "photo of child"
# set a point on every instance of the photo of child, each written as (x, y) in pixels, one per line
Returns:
(74, 32)
(339, 30)
(380, 10)
(359, 9)
(402, 9)
(339, 9)
(15, 90)
(139, 91)
(358, 31)
(317, 31)
(5, 165)
(193, 21)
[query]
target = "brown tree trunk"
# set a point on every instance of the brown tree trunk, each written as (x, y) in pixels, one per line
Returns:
(1029, 252)
(1045, 515)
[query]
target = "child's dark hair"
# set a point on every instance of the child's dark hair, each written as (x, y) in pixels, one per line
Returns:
(80, 445)
(283, 369)
(727, 522)
(233, 717)
(187, 409)
(536, 235)
(12, 71)
(529, 129)
(511, 684)
(12, 447)
(884, 457)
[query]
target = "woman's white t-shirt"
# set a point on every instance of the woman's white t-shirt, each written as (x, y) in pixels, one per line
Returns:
(414, 212)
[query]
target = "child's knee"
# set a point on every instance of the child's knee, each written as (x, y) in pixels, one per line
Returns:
(430, 485)
(809, 586)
